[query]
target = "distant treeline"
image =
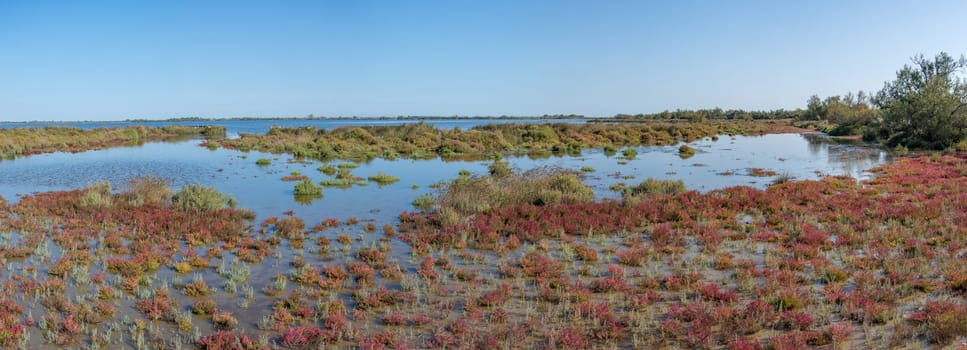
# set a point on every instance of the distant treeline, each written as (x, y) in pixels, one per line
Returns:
(402, 117)
(715, 114)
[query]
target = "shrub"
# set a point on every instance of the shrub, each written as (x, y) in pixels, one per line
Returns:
(263, 162)
(97, 195)
(148, 190)
(655, 186)
(786, 302)
(535, 187)
(224, 320)
(383, 179)
(182, 267)
(203, 307)
(499, 169)
(629, 153)
(424, 202)
(686, 152)
(197, 289)
(199, 198)
(307, 188)
(610, 150)
(327, 169)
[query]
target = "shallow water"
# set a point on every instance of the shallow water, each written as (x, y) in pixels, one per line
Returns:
(716, 164)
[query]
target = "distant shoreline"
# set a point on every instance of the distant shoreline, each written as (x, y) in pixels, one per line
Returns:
(308, 118)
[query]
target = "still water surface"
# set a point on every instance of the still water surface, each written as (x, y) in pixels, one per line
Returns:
(717, 164)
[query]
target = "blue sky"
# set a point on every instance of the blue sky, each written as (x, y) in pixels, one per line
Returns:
(98, 60)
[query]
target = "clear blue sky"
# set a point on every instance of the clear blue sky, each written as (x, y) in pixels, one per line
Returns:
(98, 60)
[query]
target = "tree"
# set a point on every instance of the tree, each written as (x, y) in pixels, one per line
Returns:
(815, 110)
(926, 106)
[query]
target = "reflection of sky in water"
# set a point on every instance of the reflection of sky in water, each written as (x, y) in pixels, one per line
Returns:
(259, 188)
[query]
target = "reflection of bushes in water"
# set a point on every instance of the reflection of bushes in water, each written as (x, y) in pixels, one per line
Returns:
(468, 195)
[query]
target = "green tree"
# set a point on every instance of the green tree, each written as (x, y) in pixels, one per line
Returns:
(926, 106)
(815, 109)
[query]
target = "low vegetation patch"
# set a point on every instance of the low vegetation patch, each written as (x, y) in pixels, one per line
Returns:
(421, 141)
(383, 179)
(307, 188)
(199, 198)
(475, 194)
(20, 142)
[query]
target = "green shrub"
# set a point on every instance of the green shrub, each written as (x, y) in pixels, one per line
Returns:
(686, 152)
(587, 169)
(424, 202)
(383, 179)
(901, 150)
(610, 150)
(653, 186)
(327, 169)
(629, 153)
(97, 195)
(337, 182)
(348, 165)
(307, 188)
(499, 169)
(786, 302)
(468, 195)
(263, 162)
(199, 198)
